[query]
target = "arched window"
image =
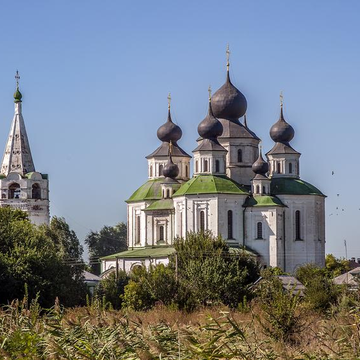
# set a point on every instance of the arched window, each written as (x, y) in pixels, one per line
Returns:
(186, 171)
(202, 221)
(137, 229)
(14, 191)
(297, 225)
(151, 171)
(278, 168)
(259, 230)
(230, 224)
(239, 155)
(206, 166)
(161, 233)
(168, 193)
(264, 190)
(161, 170)
(196, 166)
(257, 189)
(217, 166)
(36, 191)
(290, 168)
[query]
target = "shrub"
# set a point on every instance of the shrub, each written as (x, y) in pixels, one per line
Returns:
(112, 288)
(281, 316)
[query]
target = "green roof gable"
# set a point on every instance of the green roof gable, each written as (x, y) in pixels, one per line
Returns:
(151, 190)
(163, 204)
(291, 186)
(155, 252)
(211, 184)
(263, 201)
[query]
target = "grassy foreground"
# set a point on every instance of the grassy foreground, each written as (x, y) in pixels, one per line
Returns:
(27, 332)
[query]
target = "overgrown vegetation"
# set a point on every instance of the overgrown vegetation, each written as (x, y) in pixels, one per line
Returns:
(28, 332)
(47, 259)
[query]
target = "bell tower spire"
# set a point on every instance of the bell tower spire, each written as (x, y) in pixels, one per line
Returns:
(17, 156)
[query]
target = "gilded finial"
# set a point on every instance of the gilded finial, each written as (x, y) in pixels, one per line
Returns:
(227, 57)
(169, 100)
(17, 77)
(209, 90)
(170, 147)
(281, 99)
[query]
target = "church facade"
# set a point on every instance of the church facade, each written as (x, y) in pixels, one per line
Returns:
(21, 186)
(257, 204)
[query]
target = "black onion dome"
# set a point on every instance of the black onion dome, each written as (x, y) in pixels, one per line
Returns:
(260, 166)
(170, 170)
(281, 131)
(210, 127)
(228, 102)
(169, 131)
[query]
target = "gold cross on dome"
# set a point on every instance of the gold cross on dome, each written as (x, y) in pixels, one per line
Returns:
(17, 77)
(227, 56)
(281, 99)
(170, 147)
(169, 100)
(209, 90)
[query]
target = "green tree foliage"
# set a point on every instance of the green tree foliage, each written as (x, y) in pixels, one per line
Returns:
(29, 256)
(109, 240)
(211, 272)
(320, 292)
(335, 267)
(204, 271)
(112, 288)
(281, 316)
(64, 239)
(147, 287)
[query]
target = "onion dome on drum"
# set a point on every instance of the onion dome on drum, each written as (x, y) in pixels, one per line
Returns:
(281, 131)
(170, 170)
(228, 102)
(210, 127)
(260, 166)
(169, 131)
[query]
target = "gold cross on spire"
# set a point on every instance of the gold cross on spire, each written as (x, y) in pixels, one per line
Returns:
(169, 100)
(17, 77)
(227, 57)
(281, 99)
(209, 90)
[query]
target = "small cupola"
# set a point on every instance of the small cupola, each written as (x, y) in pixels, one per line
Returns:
(283, 158)
(170, 172)
(209, 156)
(260, 183)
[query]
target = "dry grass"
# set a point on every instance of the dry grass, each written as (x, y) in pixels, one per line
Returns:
(211, 333)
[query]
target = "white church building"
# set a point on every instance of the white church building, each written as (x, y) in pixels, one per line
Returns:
(21, 186)
(257, 204)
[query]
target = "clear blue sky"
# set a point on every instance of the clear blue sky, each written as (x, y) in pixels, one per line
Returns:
(95, 76)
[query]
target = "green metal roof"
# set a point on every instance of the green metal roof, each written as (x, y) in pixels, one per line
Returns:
(211, 184)
(291, 186)
(151, 190)
(163, 204)
(147, 252)
(261, 201)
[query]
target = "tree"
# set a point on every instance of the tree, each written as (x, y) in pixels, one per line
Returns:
(211, 272)
(112, 288)
(335, 267)
(109, 240)
(64, 239)
(320, 291)
(29, 256)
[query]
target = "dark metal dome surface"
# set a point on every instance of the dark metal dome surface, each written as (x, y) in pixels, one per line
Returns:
(210, 127)
(281, 131)
(228, 102)
(169, 131)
